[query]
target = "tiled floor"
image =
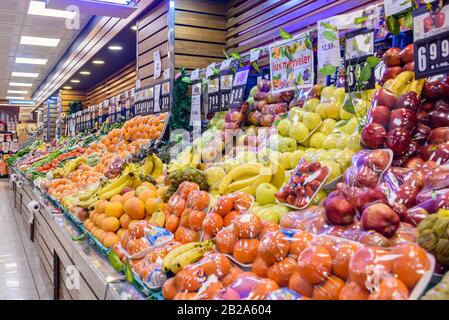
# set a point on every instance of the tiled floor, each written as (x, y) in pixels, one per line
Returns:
(20, 275)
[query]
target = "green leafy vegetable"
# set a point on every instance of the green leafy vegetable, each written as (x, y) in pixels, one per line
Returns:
(348, 106)
(329, 26)
(408, 20)
(255, 66)
(308, 43)
(284, 34)
(393, 25)
(128, 272)
(341, 123)
(236, 56)
(329, 35)
(328, 70)
(372, 61)
(365, 73)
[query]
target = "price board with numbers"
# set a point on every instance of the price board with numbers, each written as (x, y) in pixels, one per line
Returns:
(359, 46)
(165, 96)
(213, 92)
(239, 87)
(431, 40)
(226, 79)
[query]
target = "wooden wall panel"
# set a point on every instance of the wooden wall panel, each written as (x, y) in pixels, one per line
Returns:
(200, 32)
(255, 23)
(152, 36)
(71, 95)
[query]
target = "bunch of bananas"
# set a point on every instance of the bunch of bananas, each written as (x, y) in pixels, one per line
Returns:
(69, 166)
(184, 255)
(247, 177)
(433, 235)
(405, 82)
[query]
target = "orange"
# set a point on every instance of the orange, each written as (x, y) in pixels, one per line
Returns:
(362, 263)
(274, 246)
(233, 274)
(224, 205)
(136, 246)
(86, 223)
(329, 290)
(315, 264)
(116, 198)
(147, 194)
(110, 224)
(352, 291)
(100, 206)
(169, 289)
(229, 217)
(299, 242)
(127, 196)
(326, 242)
(184, 220)
(124, 221)
(120, 232)
(282, 271)
(299, 285)
(340, 265)
(390, 288)
(186, 235)
(196, 218)
(171, 224)
(268, 226)
(199, 200)
(261, 290)
(245, 250)
(225, 240)
(410, 264)
(243, 201)
(259, 266)
(178, 206)
(149, 185)
(135, 208)
(137, 230)
(188, 279)
(114, 209)
(248, 226)
(110, 240)
(99, 219)
(212, 223)
(210, 290)
(150, 205)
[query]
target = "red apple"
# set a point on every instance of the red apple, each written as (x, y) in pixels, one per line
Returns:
(380, 218)
(438, 118)
(438, 19)
(370, 196)
(392, 57)
(407, 54)
(414, 163)
(427, 106)
(421, 117)
(421, 133)
(377, 160)
(391, 73)
(385, 97)
(428, 23)
(380, 115)
(439, 135)
(398, 140)
(409, 100)
(373, 135)
(402, 118)
(339, 210)
(409, 66)
(366, 178)
(445, 88)
(432, 90)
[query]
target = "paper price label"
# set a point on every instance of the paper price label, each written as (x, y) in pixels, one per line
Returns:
(157, 64)
(210, 70)
(194, 75)
(225, 64)
(254, 55)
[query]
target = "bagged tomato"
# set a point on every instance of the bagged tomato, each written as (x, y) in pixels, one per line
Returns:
(367, 168)
(306, 181)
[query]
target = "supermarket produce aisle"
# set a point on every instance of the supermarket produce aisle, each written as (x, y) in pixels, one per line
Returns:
(20, 275)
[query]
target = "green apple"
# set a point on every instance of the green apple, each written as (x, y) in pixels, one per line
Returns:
(265, 193)
(335, 170)
(295, 157)
(340, 95)
(214, 174)
(321, 109)
(285, 160)
(287, 144)
(342, 141)
(320, 196)
(344, 158)
(316, 140)
(328, 126)
(141, 189)
(328, 93)
(310, 155)
(330, 142)
(333, 111)
(253, 91)
(268, 214)
(322, 155)
(284, 127)
(344, 115)
(246, 156)
(354, 143)
(298, 131)
(311, 120)
(295, 114)
(310, 104)
(302, 148)
(281, 210)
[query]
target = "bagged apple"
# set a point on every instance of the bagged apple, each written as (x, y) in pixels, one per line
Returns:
(367, 168)
(306, 182)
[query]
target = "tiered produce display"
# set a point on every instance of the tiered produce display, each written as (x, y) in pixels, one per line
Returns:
(291, 195)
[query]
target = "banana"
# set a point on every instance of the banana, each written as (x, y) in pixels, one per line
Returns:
(158, 166)
(403, 78)
(417, 86)
(278, 177)
(240, 184)
(87, 194)
(237, 172)
(137, 182)
(388, 84)
(190, 256)
(168, 259)
(148, 166)
(405, 88)
(87, 203)
(113, 184)
(127, 183)
(264, 177)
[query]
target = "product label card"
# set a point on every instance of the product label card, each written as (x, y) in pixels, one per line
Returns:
(210, 70)
(213, 91)
(291, 64)
(393, 7)
(195, 74)
(239, 87)
(157, 65)
(195, 111)
(157, 98)
(225, 64)
(254, 55)
(225, 90)
(328, 45)
(165, 96)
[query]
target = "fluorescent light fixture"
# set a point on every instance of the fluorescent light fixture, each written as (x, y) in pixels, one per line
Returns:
(134, 27)
(115, 48)
(17, 91)
(75, 81)
(98, 62)
(21, 101)
(25, 74)
(39, 41)
(31, 61)
(38, 8)
(67, 87)
(20, 84)
(125, 2)
(14, 98)
(86, 73)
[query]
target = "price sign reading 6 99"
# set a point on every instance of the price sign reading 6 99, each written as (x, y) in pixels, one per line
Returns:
(431, 34)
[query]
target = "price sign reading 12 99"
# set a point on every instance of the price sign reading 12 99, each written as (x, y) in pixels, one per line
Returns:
(431, 34)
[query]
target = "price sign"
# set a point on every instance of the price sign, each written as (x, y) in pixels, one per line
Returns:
(157, 66)
(210, 70)
(328, 44)
(157, 98)
(254, 55)
(195, 74)
(431, 36)
(358, 48)
(195, 110)
(225, 90)
(239, 87)
(165, 96)
(213, 91)
(225, 64)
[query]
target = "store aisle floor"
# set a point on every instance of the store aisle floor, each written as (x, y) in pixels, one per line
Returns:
(20, 275)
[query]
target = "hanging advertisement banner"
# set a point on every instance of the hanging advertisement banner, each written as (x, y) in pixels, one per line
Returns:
(291, 64)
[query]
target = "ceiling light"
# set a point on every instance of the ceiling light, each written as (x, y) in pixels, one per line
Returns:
(38, 8)
(18, 91)
(115, 48)
(67, 87)
(98, 62)
(134, 27)
(31, 61)
(20, 84)
(85, 72)
(39, 41)
(25, 74)
(14, 98)
(75, 81)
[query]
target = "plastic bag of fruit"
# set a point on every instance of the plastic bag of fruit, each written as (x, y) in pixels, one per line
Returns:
(186, 211)
(330, 268)
(236, 116)
(225, 210)
(306, 181)
(141, 237)
(367, 168)
(201, 280)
